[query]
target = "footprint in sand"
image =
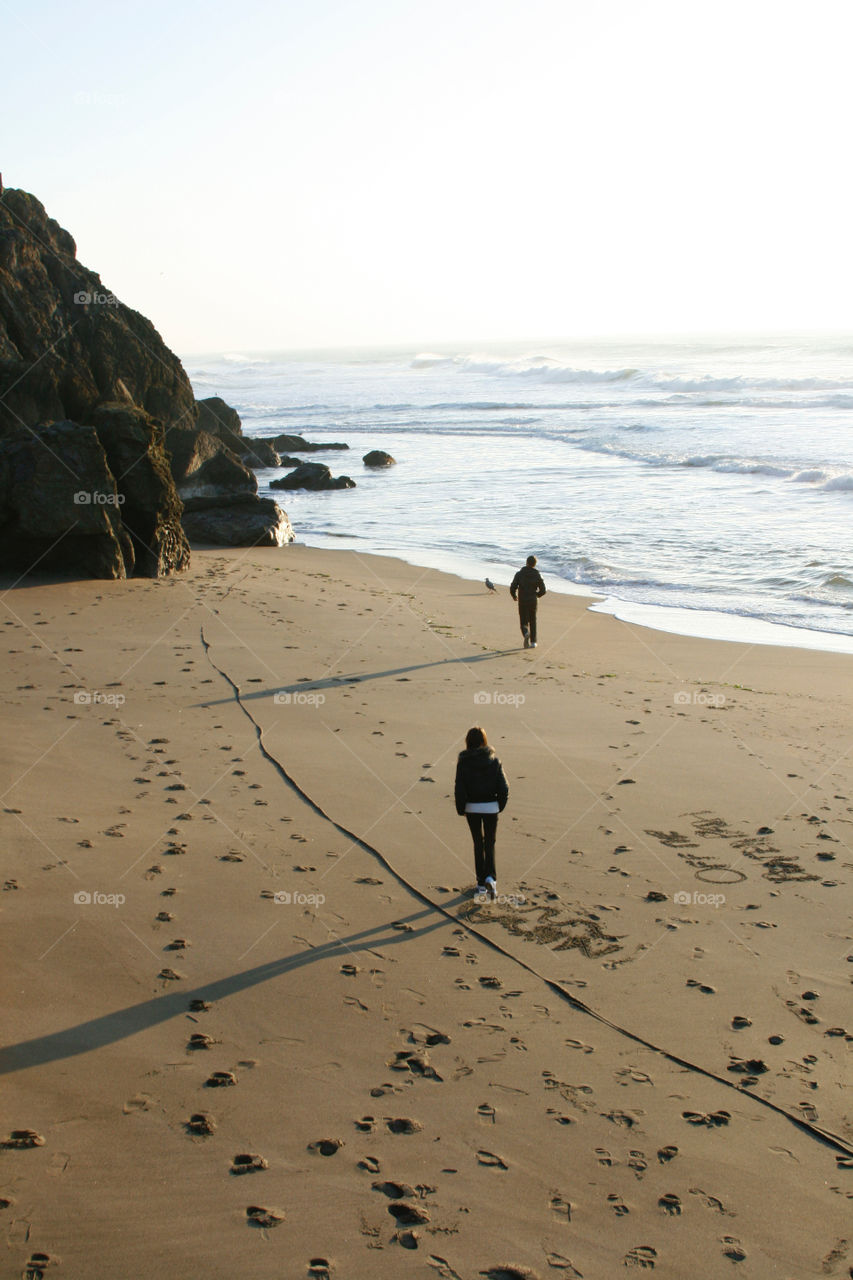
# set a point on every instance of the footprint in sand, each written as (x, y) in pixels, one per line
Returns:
(367, 1124)
(265, 1219)
(490, 1160)
(325, 1146)
(560, 1263)
(618, 1205)
(220, 1080)
(248, 1163)
(200, 1041)
(403, 1124)
(200, 1125)
(670, 1204)
(579, 1044)
(22, 1140)
(410, 1215)
(139, 1102)
(715, 1118)
(643, 1256)
(561, 1207)
(733, 1250)
(665, 1154)
(37, 1265)
(370, 1164)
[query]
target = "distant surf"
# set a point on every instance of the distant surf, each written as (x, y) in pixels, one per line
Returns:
(711, 476)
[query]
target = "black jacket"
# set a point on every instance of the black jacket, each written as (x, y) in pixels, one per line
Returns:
(527, 584)
(479, 777)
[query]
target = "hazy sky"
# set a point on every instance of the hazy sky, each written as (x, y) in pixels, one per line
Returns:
(258, 175)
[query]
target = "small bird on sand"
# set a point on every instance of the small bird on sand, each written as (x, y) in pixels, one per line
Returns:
(490, 585)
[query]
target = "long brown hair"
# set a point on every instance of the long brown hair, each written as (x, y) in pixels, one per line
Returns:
(476, 737)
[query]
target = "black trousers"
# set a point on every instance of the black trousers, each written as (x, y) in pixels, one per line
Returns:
(483, 827)
(527, 617)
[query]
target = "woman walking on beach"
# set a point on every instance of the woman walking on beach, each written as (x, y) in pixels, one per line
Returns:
(481, 793)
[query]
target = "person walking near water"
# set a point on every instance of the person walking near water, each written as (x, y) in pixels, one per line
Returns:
(526, 587)
(481, 793)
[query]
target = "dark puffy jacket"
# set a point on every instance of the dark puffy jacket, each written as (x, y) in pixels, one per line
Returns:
(479, 777)
(527, 584)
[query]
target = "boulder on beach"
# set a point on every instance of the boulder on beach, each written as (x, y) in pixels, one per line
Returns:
(312, 475)
(379, 458)
(297, 444)
(240, 522)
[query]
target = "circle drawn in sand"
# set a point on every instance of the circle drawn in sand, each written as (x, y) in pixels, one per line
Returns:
(720, 875)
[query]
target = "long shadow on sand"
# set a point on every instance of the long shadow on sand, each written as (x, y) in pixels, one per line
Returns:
(338, 682)
(113, 1027)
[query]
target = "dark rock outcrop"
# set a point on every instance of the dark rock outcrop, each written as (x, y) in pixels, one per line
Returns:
(312, 475)
(246, 522)
(259, 453)
(59, 504)
(87, 391)
(135, 447)
(297, 444)
(220, 495)
(219, 419)
(205, 469)
(99, 435)
(66, 343)
(378, 458)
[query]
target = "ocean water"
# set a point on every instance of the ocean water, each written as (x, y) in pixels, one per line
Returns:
(701, 486)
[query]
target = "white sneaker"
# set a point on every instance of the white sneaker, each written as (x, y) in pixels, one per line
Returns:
(480, 891)
(533, 644)
(492, 887)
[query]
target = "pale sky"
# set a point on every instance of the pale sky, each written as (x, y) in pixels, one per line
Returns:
(257, 176)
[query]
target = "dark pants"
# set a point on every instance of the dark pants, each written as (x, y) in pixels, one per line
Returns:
(483, 827)
(527, 617)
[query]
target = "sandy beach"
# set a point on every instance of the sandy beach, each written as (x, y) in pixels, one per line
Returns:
(256, 1024)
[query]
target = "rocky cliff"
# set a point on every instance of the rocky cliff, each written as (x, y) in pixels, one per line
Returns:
(92, 404)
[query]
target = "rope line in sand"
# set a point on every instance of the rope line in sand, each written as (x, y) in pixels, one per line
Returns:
(824, 1136)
